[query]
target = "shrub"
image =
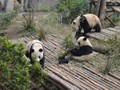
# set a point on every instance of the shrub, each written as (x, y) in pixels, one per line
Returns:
(42, 34)
(16, 73)
(113, 61)
(115, 18)
(69, 9)
(29, 24)
(5, 19)
(68, 42)
(66, 45)
(14, 66)
(44, 8)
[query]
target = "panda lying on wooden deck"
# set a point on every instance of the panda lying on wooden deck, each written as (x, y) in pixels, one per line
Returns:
(83, 52)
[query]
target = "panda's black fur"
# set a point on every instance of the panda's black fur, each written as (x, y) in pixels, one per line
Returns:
(30, 50)
(81, 51)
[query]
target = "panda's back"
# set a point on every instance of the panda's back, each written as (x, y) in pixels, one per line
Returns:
(83, 50)
(92, 19)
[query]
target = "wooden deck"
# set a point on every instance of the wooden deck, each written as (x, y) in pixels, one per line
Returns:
(76, 78)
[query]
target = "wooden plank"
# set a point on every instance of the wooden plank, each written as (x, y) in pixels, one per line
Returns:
(98, 36)
(115, 76)
(116, 30)
(66, 78)
(116, 8)
(116, 84)
(108, 32)
(59, 82)
(98, 81)
(83, 79)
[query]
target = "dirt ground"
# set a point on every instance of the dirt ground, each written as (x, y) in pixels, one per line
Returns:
(15, 29)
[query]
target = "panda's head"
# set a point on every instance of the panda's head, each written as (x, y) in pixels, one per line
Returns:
(36, 51)
(76, 23)
(83, 41)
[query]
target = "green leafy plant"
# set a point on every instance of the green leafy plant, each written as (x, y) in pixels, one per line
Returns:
(66, 45)
(16, 72)
(5, 19)
(115, 18)
(68, 42)
(44, 8)
(42, 34)
(69, 9)
(37, 74)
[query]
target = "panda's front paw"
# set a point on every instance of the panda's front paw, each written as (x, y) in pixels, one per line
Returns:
(63, 61)
(61, 57)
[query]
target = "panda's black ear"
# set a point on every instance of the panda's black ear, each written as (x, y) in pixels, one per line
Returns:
(84, 39)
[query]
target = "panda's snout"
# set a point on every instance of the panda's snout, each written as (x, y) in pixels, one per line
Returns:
(38, 58)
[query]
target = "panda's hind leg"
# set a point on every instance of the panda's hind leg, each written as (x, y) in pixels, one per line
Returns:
(97, 28)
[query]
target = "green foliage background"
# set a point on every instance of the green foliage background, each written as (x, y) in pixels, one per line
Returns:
(5, 19)
(69, 9)
(113, 61)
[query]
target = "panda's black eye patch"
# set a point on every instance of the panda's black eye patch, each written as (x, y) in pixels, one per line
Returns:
(40, 50)
(32, 50)
(78, 43)
(74, 23)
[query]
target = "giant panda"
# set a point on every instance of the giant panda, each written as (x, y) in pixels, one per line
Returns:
(35, 50)
(86, 22)
(83, 52)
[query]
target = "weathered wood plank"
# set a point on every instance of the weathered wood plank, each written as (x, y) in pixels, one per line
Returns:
(98, 36)
(66, 77)
(82, 79)
(104, 78)
(59, 82)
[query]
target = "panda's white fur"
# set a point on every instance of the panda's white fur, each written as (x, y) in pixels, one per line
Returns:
(81, 42)
(35, 50)
(86, 22)
(84, 57)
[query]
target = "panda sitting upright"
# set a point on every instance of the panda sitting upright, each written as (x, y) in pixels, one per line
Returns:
(83, 52)
(86, 22)
(35, 50)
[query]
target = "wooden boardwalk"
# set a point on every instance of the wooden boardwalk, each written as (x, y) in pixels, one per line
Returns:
(76, 78)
